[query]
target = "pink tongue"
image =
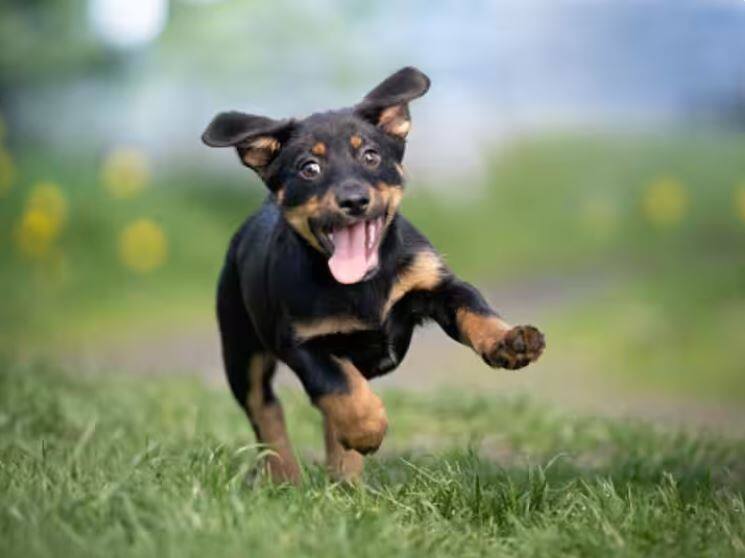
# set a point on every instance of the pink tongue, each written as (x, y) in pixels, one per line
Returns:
(350, 263)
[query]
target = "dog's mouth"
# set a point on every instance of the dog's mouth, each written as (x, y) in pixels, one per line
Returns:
(352, 248)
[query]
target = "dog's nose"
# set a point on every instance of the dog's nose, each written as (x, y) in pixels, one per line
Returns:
(353, 198)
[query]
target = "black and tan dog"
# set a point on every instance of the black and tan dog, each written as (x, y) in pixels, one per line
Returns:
(328, 278)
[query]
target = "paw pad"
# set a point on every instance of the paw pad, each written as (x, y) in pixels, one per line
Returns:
(519, 347)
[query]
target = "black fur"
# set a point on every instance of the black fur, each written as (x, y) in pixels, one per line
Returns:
(276, 276)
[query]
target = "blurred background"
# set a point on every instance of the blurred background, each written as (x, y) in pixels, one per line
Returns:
(583, 161)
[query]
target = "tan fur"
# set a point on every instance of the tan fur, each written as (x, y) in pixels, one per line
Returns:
(319, 149)
(395, 121)
(260, 151)
(391, 195)
(424, 274)
(355, 141)
(342, 464)
(357, 416)
(268, 420)
(328, 326)
(298, 217)
(481, 333)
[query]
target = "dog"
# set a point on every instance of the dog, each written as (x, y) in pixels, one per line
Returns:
(329, 278)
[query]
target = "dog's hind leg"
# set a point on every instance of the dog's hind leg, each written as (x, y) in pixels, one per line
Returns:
(250, 369)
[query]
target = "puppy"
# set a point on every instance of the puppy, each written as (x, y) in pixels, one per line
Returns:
(330, 279)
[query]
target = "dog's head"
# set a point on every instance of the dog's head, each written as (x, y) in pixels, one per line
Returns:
(336, 176)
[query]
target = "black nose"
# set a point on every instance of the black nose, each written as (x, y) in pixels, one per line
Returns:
(353, 198)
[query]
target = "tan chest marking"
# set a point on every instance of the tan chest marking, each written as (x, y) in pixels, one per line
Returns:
(424, 274)
(333, 325)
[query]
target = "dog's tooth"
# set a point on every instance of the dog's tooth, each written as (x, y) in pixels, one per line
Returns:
(331, 237)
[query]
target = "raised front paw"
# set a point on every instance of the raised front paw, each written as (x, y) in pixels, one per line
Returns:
(519, 347)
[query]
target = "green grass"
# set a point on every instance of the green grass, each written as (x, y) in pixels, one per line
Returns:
(113, 466)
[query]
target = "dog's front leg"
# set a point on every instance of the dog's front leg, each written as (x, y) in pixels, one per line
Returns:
(466, 317)
(355, 420)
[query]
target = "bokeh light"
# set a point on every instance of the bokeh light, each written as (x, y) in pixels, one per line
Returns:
(35, 233)
(128, 23)
(665, 201)
(48, 198)
(143, 246)
(42, 221)
(125, 172)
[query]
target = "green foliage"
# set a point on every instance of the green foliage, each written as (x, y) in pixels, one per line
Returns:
(112, 466)
(44, 41)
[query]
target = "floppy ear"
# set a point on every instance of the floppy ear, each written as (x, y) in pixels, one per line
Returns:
(256, 138)
(387, 106)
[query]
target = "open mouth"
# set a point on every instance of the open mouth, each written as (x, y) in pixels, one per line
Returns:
(353, 249)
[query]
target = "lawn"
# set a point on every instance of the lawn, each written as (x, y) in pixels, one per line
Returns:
(108, 465)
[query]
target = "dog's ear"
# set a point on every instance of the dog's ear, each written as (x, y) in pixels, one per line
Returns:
(387, 106)
(257, 139)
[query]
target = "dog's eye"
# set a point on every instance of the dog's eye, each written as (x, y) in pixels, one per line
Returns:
(310, 170)
(371, 158)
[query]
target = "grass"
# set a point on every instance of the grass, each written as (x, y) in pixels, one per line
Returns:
(115, 466)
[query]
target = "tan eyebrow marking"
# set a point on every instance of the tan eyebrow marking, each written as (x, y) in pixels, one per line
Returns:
(319, 149)
(355, 141)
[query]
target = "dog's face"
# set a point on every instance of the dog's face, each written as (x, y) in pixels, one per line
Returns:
(336, 176)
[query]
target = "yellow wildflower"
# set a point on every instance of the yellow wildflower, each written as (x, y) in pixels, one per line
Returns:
(41, 221)
(665, 201)
(35, 233)
(125, 172)
(48, 198)
(143, 246)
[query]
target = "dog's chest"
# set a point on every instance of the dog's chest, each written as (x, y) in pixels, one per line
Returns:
(320, 309)
(355, 324)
